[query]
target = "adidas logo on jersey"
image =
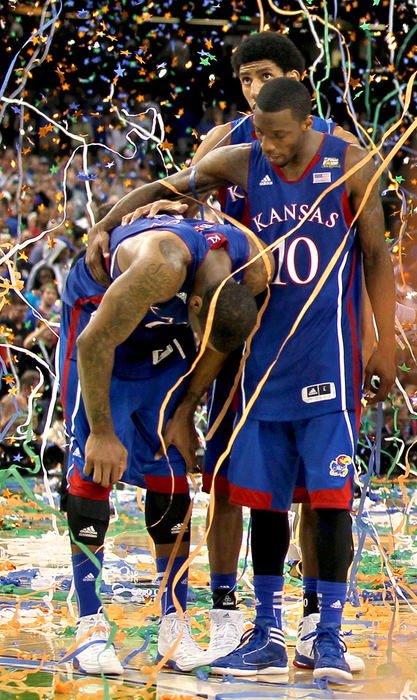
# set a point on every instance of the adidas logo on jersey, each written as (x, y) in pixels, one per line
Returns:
(76, 452)
(318, 392)
(266, 180)
(88, 532)
(176, 529)
(337, 604)
(89, 577)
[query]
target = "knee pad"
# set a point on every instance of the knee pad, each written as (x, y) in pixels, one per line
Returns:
(88, 520)
(164, 516)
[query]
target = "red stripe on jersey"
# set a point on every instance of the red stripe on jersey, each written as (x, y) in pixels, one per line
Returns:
(347, 211)
(309, 167)
(300, 495)
(166, 484)
(236, 400)
(222, 196)
(3, 353)
(72, 339)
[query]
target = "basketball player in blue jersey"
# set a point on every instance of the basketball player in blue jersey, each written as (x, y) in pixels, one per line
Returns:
(128, 346)
(259, 58)
(304, 420)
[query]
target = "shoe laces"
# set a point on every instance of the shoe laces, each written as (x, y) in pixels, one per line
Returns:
(330, 641)
(225, 632)
(96, 626)
(187, 643)
(250, 634)
(309, 635)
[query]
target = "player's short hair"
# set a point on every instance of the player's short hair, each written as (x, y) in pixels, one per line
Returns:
(285, 93)
(234, 316)
(269, 46)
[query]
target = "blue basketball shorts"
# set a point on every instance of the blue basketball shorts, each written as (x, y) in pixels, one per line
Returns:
(135, 406)
(270, 460)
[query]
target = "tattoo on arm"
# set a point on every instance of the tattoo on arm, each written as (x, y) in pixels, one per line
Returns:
(169, 250)
(155, 279)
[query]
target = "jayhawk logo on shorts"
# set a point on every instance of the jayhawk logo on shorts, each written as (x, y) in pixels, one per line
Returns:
(340, 466)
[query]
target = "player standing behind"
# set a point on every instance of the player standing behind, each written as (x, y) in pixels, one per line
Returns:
(258, 59)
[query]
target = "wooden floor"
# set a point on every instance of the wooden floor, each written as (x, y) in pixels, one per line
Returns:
(37, 609)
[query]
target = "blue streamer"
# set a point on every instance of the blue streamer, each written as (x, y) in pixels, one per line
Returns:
(55, 14)
(194, 191)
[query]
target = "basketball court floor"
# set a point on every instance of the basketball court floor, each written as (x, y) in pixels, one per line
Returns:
(38, 611)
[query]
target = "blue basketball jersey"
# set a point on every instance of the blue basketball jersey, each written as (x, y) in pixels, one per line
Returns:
(154, 339)
(319, 368)
(164, 332)
(232, 199)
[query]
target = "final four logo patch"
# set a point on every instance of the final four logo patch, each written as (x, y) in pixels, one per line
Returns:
(330, 162)
(340, 466)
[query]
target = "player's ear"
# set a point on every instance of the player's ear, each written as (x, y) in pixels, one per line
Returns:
(307, 123)
(195, 303)
(293, 74)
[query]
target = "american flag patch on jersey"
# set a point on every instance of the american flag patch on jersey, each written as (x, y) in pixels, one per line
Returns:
(321, 177)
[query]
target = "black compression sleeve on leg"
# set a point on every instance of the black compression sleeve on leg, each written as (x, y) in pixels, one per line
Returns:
(88, 519)
(269, 526)
(164, 515)
(334, 544)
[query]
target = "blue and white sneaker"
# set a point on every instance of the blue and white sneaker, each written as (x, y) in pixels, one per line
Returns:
(304, 657)
(261, 652)
(329, 654)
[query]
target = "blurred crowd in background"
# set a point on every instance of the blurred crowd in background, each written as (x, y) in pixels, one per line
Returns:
(141, 93)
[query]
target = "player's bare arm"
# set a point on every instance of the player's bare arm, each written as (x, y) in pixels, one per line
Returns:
(180, 429)
(260, 272)
(217, 137)
(228, 164)
(379, 276)
(345, 135)
(154, 276)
